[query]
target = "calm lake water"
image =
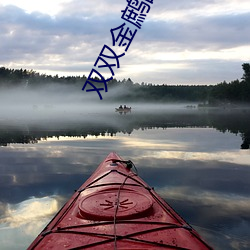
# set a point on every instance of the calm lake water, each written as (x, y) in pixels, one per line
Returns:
(197, 160)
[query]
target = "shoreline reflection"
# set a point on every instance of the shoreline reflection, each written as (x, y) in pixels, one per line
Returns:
(107, 123)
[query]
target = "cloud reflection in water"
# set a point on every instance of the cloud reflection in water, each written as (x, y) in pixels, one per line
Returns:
(198, 171)
(21, 222)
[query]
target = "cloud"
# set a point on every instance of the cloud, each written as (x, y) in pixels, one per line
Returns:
(188, 35)
(93, 8)
(214, 32)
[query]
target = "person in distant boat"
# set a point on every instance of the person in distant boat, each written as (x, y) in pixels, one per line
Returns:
(120, 107)
(125, 106)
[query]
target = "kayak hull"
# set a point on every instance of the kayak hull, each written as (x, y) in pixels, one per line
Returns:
(116, 209)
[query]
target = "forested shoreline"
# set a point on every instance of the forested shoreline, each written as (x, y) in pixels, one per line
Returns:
(234, 92)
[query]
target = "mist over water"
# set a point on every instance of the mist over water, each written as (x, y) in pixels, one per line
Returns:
(54, 110)
(59, 102)
(52, 138)
(49, 102)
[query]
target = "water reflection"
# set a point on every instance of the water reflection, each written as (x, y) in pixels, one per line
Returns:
(31, 210)
(195, 166)
(20, 222)
(80, 124)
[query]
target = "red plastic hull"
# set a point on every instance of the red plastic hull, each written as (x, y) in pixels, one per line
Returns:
(116, 209)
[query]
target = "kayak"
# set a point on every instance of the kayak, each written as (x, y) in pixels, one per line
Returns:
(116, 209)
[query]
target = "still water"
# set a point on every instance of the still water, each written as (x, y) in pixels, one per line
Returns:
(193, 158)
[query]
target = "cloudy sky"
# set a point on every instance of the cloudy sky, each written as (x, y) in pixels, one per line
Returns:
(180, 42)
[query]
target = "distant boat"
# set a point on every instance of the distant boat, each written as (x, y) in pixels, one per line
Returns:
(125, 110)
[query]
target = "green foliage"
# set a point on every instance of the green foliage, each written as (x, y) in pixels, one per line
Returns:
(246, 75)
(220, 94)
(31, 78)
(234, 92)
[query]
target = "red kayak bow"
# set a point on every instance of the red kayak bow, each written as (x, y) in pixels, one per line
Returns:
(116, 209)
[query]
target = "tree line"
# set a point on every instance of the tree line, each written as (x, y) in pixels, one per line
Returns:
(31, 78)
(236, 91)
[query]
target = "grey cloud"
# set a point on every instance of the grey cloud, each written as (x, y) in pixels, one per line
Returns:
(28, 35)
(93, 8)
(14, 17)
(222, 31)
(181, 4)
(37, 29)
(201, 32)
(77, 34)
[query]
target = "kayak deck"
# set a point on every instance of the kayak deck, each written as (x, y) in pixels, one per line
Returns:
(116, 209)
